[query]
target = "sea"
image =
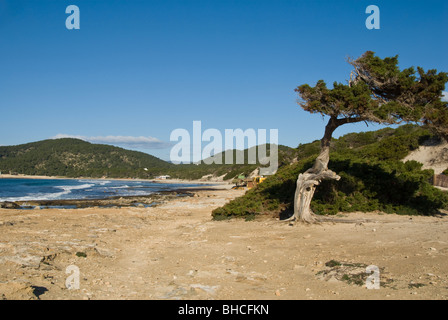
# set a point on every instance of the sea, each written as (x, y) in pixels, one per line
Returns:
(78, 189)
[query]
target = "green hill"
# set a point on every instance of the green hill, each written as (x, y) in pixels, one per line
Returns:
(373, 177)
(76, 158)
(230, 171)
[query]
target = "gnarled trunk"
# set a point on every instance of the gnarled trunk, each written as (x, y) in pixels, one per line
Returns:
(310, 179)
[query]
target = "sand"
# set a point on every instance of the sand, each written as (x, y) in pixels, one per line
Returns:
(432, 155)
(176, 251)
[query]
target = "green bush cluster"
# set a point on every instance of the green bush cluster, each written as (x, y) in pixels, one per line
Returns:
(372, 178)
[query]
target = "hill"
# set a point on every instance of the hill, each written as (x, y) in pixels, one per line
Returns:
(373, 177)
(230, 171)
(76, 158)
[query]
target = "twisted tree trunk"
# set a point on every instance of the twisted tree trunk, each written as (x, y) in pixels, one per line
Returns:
(310, 179)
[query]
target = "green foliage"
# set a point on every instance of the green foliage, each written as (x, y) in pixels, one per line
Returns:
(410, 95)
(372, 179)
(379, 92)
(81, 254)
(77, 158)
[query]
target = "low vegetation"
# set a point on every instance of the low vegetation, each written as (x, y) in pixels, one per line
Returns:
(373, 178)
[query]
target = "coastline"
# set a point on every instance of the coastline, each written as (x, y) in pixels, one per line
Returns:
(178, 188)
(168, 181)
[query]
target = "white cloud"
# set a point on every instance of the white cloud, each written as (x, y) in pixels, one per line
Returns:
(445, 96)
(122, 141)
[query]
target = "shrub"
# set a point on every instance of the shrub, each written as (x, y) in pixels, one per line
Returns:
(373, 178)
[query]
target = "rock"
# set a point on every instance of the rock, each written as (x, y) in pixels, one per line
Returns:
(333, 280)
(207, 289)
(9, 205)
(299, 267)
(14, 290)
(104, 252)
(25, 260)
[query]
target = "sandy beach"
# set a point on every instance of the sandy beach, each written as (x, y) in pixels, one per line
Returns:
(176, 251)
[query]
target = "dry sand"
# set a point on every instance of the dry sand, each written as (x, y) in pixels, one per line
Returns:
(175, 251)
(432, 156)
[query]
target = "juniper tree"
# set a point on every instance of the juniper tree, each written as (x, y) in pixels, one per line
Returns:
(377, 92)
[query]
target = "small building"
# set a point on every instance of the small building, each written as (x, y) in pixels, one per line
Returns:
(163, 177)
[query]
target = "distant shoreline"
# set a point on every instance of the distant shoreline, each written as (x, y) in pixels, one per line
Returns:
(179, 181)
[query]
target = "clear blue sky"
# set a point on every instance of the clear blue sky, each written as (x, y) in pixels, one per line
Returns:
(145, 68)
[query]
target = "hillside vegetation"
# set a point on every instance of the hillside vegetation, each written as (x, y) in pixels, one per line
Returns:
(373, 177)
(230, 171)
(75, 158)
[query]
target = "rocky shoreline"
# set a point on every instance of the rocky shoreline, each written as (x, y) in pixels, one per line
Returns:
(110, 202)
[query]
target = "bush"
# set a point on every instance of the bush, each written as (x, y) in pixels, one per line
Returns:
(373, 178)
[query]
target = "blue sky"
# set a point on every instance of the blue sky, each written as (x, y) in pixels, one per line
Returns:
(137, 70)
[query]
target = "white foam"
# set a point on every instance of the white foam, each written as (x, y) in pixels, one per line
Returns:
(121, 187)
(69, 189)
(48, 196)
(99, 182)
